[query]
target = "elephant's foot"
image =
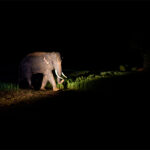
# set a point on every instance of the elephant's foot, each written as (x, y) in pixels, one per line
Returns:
(42, 89)
(55, 89)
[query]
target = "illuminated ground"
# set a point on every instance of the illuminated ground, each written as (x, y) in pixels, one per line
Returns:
(23, 96)
(115, 112)
(78, 81)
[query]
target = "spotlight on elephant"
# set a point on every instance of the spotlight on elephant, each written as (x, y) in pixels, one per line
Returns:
(45, 63)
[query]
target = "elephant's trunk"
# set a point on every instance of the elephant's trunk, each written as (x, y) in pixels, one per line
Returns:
(60, 80)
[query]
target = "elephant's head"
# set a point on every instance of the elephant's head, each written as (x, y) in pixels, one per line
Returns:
(58, 68)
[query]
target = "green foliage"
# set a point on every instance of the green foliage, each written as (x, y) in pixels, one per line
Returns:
(106, 74)
(79, 73)
(48, 86)
(60, 86)
(8, 86)
(87, 82)
(122, 68)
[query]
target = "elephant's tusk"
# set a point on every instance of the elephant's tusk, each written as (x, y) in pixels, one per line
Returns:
(58, 75)
(64, 75)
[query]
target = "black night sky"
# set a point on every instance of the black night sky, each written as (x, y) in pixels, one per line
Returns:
(89, 35)
(95, 35)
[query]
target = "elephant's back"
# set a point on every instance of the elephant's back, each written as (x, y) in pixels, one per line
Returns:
(36, 54)
(34, 64)
(32, 60)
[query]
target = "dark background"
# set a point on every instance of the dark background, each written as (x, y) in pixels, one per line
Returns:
(89, 34)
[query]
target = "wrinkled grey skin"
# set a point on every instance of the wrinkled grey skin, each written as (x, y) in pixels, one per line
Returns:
(41, 62)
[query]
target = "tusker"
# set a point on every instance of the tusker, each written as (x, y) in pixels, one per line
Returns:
(45, 63)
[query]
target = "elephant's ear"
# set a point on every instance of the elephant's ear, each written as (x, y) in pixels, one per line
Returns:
(58, 56)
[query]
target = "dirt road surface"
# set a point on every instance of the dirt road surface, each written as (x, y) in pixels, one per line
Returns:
(117, 113)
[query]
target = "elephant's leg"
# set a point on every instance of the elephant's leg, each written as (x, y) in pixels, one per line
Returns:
(52, 81)
(28, 77)
(44, 82)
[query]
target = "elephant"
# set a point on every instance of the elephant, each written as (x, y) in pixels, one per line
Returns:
(45, 63)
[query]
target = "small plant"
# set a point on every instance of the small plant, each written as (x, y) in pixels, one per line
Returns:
(122, 68)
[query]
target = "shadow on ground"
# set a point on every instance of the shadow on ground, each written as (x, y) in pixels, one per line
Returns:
(115, 113)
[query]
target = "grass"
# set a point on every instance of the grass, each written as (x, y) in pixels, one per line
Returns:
(86, 80)
(78, 80)
(8, 86)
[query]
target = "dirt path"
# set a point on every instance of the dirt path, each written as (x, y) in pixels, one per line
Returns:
(117, 113)
(8, 98)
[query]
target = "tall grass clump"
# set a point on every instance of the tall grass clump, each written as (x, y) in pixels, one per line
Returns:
(49, 86)
(8, 86)
(82, 83)
(88, 81)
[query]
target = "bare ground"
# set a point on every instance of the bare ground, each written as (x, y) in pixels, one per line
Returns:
(8, 98)
(116, 114)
